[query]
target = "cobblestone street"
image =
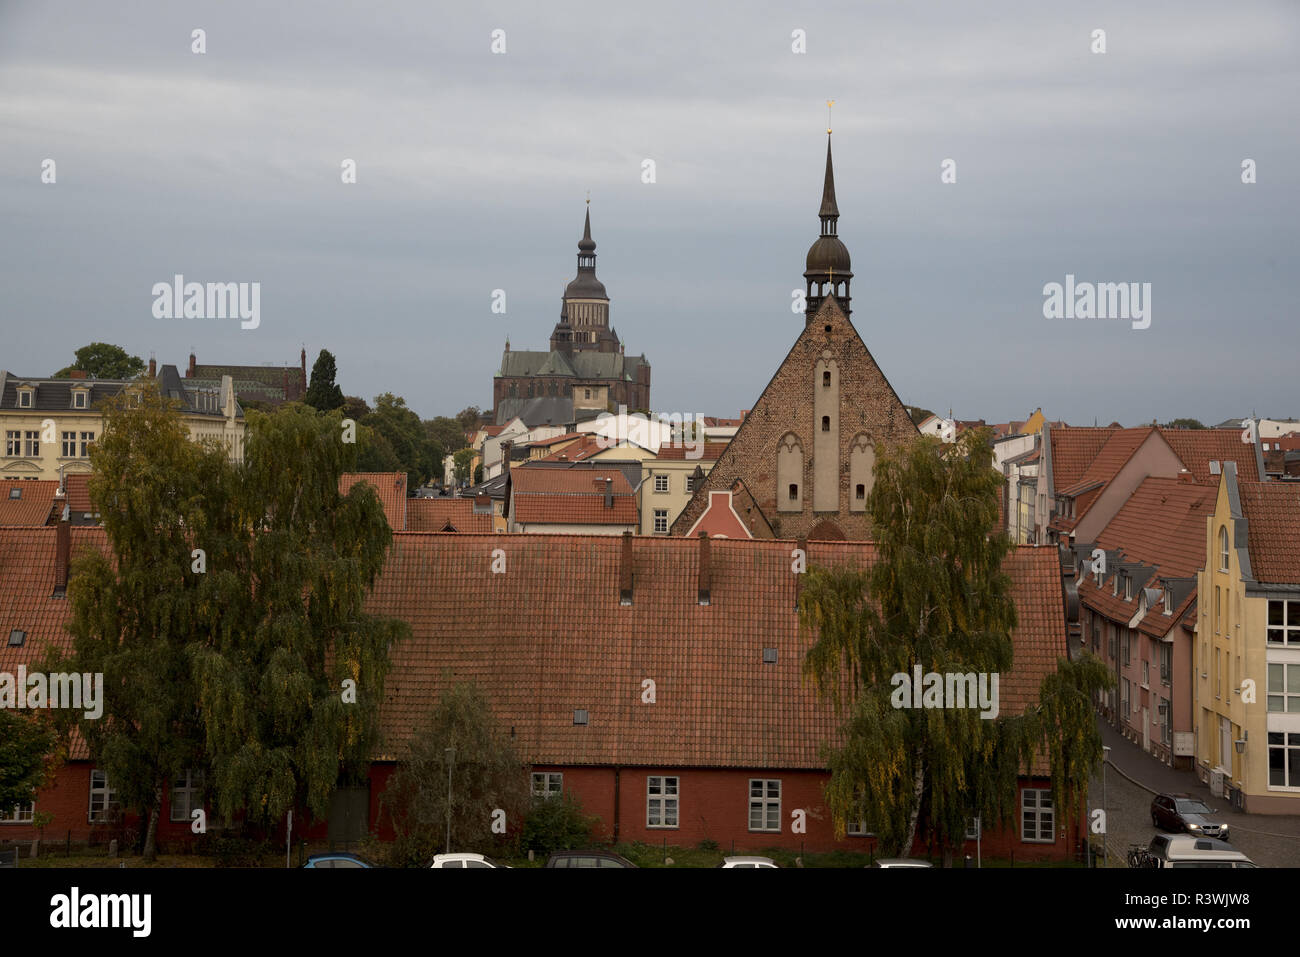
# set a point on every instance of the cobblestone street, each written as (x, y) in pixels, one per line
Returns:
(1133, 777)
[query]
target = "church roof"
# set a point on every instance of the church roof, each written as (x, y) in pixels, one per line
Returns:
(584, 364)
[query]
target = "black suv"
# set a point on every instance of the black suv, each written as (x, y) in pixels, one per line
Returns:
(1182, 812)
(587, 859)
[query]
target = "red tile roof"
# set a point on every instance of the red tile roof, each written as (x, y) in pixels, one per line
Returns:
(709, 452)
(589, 445)
(1272, 511)
(435, 514)
(34, 504)
(1163, 524)
(566, 437)
(1110, 458)
(77, 485)
(551, 636)
(389, 486)
(1073, 449)
(1199, 447)
(559, 496)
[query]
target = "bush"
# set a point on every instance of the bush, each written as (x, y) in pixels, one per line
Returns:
(557, 824)
(707, 845)
(234, 851)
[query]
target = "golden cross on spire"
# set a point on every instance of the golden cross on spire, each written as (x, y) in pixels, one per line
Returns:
(829, 104)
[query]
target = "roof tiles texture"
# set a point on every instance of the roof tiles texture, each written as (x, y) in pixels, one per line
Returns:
(389, 486)
(1272, 511)
(34, 504)
(435, 514)
(557, 496)
(1073, 450)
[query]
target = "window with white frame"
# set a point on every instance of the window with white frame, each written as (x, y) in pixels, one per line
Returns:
(764, 804)
(1169, 600)
(79, 399)
(13, 443)
(1283, 759)
(187, 795)
(855, 828)
(69, 444)
(547, 784)
(1284, 622)
(24, 398)
(1037, 818)
(1167, 722)
(32, 444)
(18, 814)
(973, 828)
(661, 520)
(1284, 687)
(661, 483)
(1166, 653)
(86, 439)
(1223, 548)
(660, 801)
(103, 799)
(690, 482)
(1146, 673)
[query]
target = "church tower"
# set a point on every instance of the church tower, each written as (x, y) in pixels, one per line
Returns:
(584, 313)
(802, 463)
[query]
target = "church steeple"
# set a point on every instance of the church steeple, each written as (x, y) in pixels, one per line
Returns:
(584, 315)
(829, 269)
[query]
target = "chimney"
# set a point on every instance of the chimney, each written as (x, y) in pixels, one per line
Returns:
(1186, 478)
(706, 570)
(153, 368)
(62, 543)
(625, 571)
(609, 492)
(77, 374)
(505, 456)
(189, 373)
(303, 358)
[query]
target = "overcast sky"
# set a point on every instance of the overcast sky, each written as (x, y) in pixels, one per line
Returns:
(473, 169)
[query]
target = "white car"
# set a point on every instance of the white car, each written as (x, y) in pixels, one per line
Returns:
(747, 862)
(901, 862)
(465, 860)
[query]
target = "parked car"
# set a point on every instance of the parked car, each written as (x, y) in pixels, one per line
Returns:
(587, 859)
(1181, 850)
(1182, 812)
(747, 862)
(900, 862)
(338, 859)
(465, 860)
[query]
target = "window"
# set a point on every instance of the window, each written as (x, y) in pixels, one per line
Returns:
(547, 784)
(86, 439)
(78, 400)
(856, 829)
(690, 483)
(18, 814)
(1283, 759)
(1124, 644)
(661, 520)
(1146, 673)
(13, 443)
(1218, 677)
(1284, 687)
(660, 802)
(1218, 617)
(794, 491)
(1167, 717)
(1037, 820)
(69, 445)
(103, 799)
(826, 379)
(661, 483)
(1110, 642)
(1169, 600)
(1284, 622)
(1223, 548)
(1124, 696)
(16, 638)
(580, 716)
(16, 492)
(25, 399)
(586, 393)
(860, 492)
(1166, 653)
(187, 795)
(769, 656)
(1128, 588)
(32, 444)
(764, 804)
(973, 829)
(826, 423)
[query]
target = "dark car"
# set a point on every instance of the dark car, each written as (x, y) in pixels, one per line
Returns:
(338, 859)
(1182, 812)
(587, 859)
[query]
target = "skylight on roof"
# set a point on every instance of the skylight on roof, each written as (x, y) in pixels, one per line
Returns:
(17, 637)
(15, 492)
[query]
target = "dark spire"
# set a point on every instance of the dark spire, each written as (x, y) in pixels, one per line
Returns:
(829, 210)
(586, 243)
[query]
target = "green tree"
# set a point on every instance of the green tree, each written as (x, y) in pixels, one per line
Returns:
(135, 613)
(936, 597)
(486, 774)
(419, 456)
(445, 433)
(1184, 424)
(463, 459)
(469, 418)
(323, 393)
(557, 824)
(25, 741)
(103, 360)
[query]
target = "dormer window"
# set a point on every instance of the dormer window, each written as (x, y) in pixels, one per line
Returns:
(1114, 584)
(25, 398)
(79, 399)
(1128, 588)
(1169, 600)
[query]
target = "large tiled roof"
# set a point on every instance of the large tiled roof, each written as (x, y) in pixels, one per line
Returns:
(551, 636)
(1110, 458)
(55, 395)
(1199, 447)
(435, 514)
(389, 486)
(1272, 511)
(709, 452)
(557, 496)
(1073, 450)
(34, 504)
(1163, 524)
(77, 486)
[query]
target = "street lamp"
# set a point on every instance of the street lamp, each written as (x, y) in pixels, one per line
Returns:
(451, 756)
(1105, 756)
